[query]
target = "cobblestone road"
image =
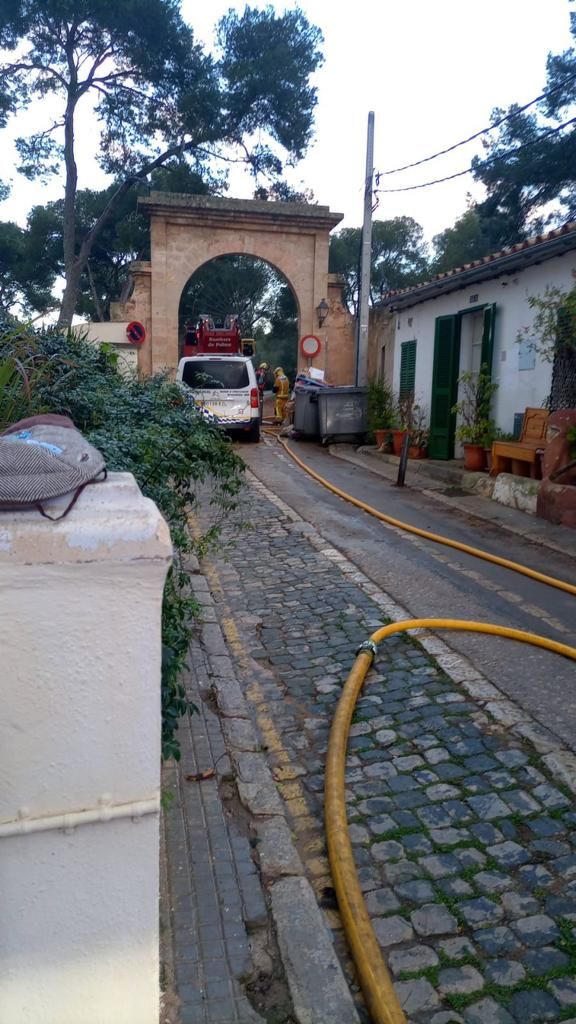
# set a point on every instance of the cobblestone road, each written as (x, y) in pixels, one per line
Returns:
(464, 834)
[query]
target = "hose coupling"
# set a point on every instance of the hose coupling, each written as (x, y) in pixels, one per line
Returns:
(369, 646)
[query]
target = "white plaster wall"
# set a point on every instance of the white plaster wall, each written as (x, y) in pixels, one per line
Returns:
(69, 635)
(80, 617)
(79, 939)
(516, 388)
(112, 332)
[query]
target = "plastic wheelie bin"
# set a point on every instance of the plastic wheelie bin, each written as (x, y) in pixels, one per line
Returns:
(343, 414)
(306, 420)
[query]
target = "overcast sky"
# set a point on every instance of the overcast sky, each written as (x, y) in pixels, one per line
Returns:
(431, 71)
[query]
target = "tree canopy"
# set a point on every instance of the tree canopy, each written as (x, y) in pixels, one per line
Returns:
(231, 284)
(277, 341)
(24, 281)
(399, 257)
(260, 296)
(155, 93)
(124, 237)
(464, 242)
(521, 185)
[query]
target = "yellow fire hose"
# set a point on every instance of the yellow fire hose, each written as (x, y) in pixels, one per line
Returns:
(373, 974)
(437, 538)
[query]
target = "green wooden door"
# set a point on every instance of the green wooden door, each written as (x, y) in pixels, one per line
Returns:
(488, 337)
(444, 387)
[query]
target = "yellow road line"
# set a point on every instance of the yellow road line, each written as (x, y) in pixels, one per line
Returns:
(287, 773)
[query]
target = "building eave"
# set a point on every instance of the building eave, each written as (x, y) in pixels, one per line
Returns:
(505, 263)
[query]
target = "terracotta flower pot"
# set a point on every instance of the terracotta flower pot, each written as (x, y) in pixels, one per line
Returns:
(397, 441)
(380, 437)
(474, 458)
(415, 452)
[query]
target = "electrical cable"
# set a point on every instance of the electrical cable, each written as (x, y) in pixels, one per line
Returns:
(469, 170)
(477, 135)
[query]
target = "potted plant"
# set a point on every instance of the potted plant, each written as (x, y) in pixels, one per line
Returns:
(490, 435)
(419, 434)
(381, 411)
(474, 412)
(493, 433)
(404, 407)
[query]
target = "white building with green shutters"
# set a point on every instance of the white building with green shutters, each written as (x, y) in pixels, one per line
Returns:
(473, 316)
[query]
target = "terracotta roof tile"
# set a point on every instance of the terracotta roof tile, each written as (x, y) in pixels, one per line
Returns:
(491, 258)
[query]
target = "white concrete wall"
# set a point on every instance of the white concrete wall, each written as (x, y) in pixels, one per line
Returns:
(516, 388)
(112, 332)
(80, 614)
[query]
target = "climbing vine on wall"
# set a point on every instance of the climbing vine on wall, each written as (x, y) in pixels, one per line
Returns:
(553, 336)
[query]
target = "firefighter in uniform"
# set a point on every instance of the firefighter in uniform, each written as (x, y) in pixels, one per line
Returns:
(281, 392)
(261, 382)
(261, 377)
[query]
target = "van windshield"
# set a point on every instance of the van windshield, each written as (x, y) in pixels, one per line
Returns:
(215, 374)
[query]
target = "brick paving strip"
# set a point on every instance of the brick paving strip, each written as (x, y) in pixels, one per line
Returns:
(209, 890)
(461, 807)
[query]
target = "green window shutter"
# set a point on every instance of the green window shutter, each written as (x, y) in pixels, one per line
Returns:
(488, 336)
(407, 368)
(444, 387)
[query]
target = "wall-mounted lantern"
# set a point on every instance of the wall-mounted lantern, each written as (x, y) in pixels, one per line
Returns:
(322, 310)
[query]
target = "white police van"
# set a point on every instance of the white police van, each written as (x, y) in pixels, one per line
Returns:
(224, 386)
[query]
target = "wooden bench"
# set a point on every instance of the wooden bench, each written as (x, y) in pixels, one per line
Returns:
(521, 457)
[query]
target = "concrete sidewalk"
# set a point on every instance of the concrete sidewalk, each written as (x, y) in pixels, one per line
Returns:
(537, 531)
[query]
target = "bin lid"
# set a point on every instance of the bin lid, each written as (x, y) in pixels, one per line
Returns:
(308, 383)
(346, 390)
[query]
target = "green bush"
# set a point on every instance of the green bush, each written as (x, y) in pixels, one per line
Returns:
(145, 427)
(474, 407)
(382, 407)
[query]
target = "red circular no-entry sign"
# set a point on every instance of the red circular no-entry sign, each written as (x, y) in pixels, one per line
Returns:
(136, 332)
(310, 346)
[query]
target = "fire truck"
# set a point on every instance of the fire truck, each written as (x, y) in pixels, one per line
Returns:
(207, 339)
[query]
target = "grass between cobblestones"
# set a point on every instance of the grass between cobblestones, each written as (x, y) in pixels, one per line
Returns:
(460, 833)
(499, 992)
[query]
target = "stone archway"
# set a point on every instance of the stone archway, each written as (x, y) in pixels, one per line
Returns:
(252, 288)
(187, 231)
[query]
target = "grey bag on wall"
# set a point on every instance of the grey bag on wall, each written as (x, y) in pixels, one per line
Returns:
(45, 457)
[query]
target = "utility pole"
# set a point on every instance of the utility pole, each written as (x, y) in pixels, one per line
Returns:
(365, 263)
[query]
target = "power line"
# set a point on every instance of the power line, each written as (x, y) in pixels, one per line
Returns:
(468, 170)
(483, 131)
